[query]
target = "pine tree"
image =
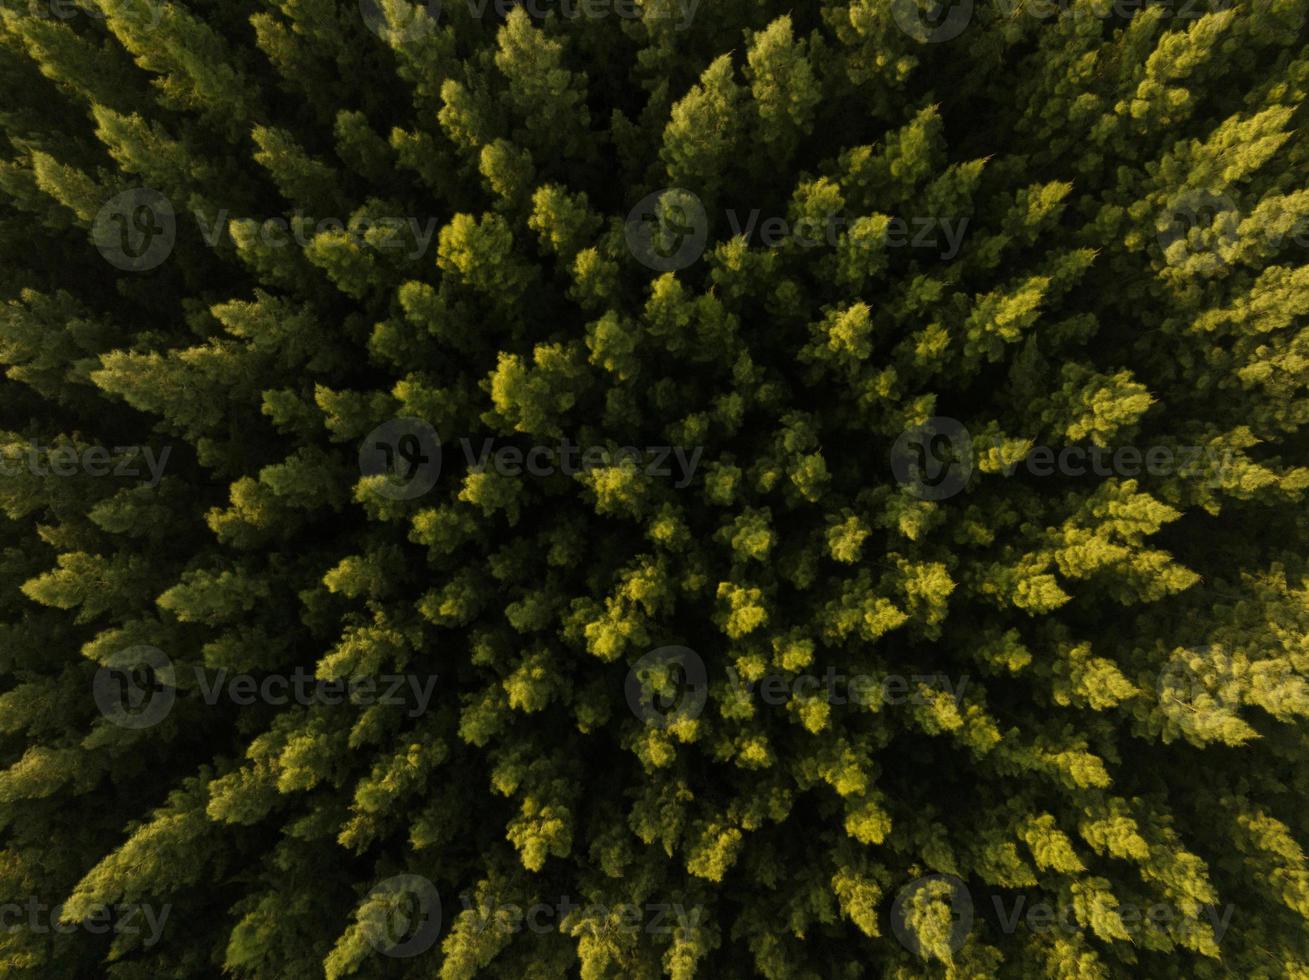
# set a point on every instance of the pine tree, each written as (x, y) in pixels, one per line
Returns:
(300, 312)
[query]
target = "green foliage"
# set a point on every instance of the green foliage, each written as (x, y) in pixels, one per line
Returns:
(1088, 689)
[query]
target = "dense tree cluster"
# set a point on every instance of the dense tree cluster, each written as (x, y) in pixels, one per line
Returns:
(325, 327)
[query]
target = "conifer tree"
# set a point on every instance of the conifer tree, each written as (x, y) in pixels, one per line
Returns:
(291, 301)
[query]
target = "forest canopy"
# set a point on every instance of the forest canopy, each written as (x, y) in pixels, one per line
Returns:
(642, 488)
